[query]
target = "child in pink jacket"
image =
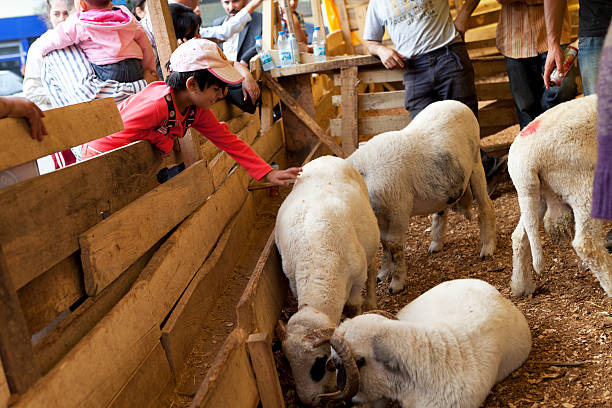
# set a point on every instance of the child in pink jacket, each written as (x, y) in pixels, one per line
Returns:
(112, 39)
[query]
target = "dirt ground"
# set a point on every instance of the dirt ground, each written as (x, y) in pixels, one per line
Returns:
(570, 317)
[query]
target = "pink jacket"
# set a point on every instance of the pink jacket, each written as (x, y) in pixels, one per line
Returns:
(105, 36)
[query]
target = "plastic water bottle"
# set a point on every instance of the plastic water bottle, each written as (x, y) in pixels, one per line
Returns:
(568, 59)
(284, 50)
(295, 49)
(264, 55)
(318, 45)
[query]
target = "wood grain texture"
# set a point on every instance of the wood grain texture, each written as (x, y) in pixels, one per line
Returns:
(67, 127)
(350, 110)
(54, 209)
(111, 246)
(262, 361)
(373, 125)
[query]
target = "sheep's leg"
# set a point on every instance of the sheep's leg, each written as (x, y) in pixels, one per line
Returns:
(486, 215)
(522, 274)
(529, 202)
(590, 247)
(384, 271)
(439, 221)
(558, 217)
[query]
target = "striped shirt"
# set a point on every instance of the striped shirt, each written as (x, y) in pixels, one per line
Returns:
(521, 30)
(70, 79)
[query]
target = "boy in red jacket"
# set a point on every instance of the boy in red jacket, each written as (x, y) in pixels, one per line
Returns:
(162, 112)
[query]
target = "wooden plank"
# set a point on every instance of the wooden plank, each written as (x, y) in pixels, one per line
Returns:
(262, 300)
(67, 333)
(501, 113)
(345, 24)
(375, 75)
(108, 248)
(267, 34)
(192, 310)
(350, 110)
(325, 110)
(481, 19)
(262, 361)
(302, 115)
(268, 144)
(94, 371)
(230, 381)
(266, 109)
(5, 393)
(373, 125)
(54, 209)
(377, 100)
(67, 127)
(483, 32)
(44, 298)
(331, 64)
(335, 44)
(317, 14)
(284, 4)
(487, 67)
(163, 31)
(493, 90)
(15, 348)
(146, 383)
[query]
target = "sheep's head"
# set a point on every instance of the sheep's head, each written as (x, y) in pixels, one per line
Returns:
(308, 358)
(362, 375)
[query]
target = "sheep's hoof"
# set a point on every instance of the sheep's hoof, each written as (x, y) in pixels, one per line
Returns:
(525, 289)
(435, 247)
(378, 280)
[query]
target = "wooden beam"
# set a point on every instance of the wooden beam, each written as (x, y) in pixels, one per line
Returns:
(163, 31)
(350, 110)
(288, 15)
(15, 348)
(230, 382)
(262, 300)
(67, 127)
(493, 90)
(262, 361)
(373, 125)
(345, 25)
(54, 209)
(267, 31)
(5, 393)
(268, 144)
(317, 14)
(377, 100)
(111, 246)
(331, 64)
(302, 115)
(191, 312)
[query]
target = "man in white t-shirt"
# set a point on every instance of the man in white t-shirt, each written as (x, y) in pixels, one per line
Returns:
(430, 48)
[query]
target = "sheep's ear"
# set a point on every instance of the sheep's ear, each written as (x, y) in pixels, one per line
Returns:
(281, 331)
(385, 354)
(319, 336)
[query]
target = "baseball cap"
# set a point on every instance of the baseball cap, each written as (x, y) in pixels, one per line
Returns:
(199, 53)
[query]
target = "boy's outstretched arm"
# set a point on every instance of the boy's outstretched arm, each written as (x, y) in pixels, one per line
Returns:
(252, 5)
(15, 107)
(283, 177)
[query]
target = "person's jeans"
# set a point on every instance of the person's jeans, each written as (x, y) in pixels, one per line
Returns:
(531, 97)
(127, 70)
(589, 52)
(446, 73)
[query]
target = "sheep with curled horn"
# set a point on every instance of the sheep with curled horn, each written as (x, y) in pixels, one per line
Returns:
(327, 235)
(447, 348)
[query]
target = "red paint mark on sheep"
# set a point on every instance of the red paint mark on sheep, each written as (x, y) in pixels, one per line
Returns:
(530, 129)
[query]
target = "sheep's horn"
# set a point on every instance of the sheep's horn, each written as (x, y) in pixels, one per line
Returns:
(318, 337)
(384, 313)
(351, 387)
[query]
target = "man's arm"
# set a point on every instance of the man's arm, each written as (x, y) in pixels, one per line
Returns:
(461, 22)
(553, 16)
(388, 56)
(249, 85)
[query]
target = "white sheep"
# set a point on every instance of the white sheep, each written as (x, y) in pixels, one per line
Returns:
(447, 349)
(432, 163)
(327, 235)
(552, 163)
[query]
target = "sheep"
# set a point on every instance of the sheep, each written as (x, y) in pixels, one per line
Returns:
(447, 348)
(552, 163)
(327, 235)
(432, 163)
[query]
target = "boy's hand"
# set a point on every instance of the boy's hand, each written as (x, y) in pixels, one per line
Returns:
(22, 108)
(150, 76)
(282, 177)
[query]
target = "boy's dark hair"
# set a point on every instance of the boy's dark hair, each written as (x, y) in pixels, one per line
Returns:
(204, 78)
(97, 3)
(186, 23)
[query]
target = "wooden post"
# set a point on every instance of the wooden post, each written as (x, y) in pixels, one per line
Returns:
(267, 29)
(165, 40)
(350, 109)
(288, 15)
(266, 376)
(346, 25)
(317, 14)
(15, 346)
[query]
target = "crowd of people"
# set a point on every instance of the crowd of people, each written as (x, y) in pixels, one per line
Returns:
(107, 51)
